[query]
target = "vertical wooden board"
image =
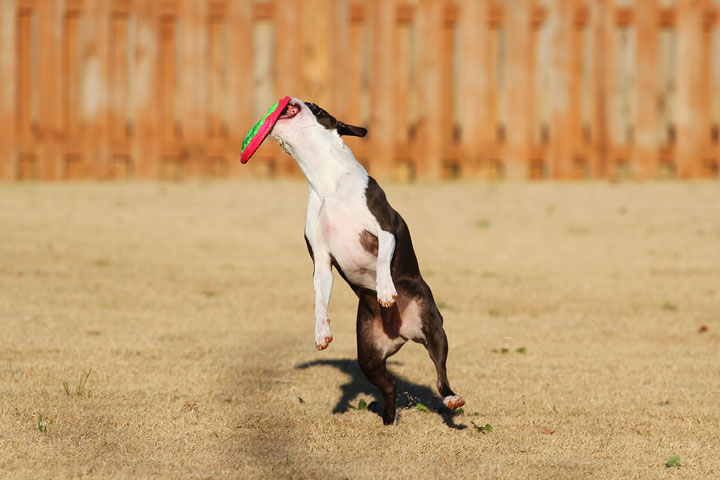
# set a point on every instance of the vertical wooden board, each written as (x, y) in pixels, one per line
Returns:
(647, 24)
(518, 133)
(73, 164)
(382, 140)
(8, 87)
(708, 166)
(447, 81)
(217, 70)
(689, 81)
(289, 68)
(192, 84)
(316, 48)
(474, 83)
(146, 90)
(339, 58)
(95, 87)
(71, 77)
(240, 74)
(49, 114)
(26, 87)
(578, 159)
(429, 19)
(603, 79)
(401, 81)
(167, 78)
(118, 77)
(354, 86)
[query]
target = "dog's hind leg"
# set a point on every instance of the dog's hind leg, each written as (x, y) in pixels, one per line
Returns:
(437, 346)
(375, 343)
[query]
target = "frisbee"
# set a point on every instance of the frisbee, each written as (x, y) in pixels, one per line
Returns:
(262, 128)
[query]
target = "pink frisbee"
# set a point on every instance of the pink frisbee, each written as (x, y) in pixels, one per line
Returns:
(257, 134)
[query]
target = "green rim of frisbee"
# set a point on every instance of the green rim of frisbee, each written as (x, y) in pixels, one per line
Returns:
(254, 130)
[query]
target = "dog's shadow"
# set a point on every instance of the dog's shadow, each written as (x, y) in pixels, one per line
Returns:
(410, 395)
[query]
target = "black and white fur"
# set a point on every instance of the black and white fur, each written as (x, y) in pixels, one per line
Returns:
(351, 226)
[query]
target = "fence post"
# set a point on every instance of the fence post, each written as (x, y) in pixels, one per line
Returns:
(602, 79)
(562, 119)
(647, 23)
(240, 73)
(8, 19)
(288, 66)
(95, 88)
(339, 61)
(145, 88)
(49, 57)
(430, 24)
(519, 96)
(382, 147)
(193, 84)
(689, 81)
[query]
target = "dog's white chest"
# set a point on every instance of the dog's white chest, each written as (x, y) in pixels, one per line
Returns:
(339, 227)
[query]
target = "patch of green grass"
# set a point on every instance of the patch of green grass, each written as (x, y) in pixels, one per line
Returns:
(101, 262)
(494, 312)
(42, 423)
(210, 293)
(521, 350)
(487, 428)
(422, 407)
(363, 406)
(504, 350)
(673, 461)
(577, 230)
(669, 307)
(482, 224)
(81, 387)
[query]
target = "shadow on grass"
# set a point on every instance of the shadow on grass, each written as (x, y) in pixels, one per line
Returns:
(409, 394)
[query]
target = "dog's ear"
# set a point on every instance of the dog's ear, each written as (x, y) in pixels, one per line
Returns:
(351, 130)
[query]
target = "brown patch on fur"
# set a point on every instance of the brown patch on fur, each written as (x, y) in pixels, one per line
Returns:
(369, 242)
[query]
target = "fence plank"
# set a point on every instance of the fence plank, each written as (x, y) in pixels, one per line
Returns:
(647, 28)
(49, 115)
(382, 18)
(689, 81)
(8, 90)
(146, 90)
(602, 79)
(289, 30)
(430, 24)
(239, 93)
(518, 138)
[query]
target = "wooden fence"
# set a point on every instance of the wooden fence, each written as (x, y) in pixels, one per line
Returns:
(469, 88)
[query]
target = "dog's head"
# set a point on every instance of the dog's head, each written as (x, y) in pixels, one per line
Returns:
(303, 123)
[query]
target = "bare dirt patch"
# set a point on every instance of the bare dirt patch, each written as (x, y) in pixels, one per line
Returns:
(575, 316)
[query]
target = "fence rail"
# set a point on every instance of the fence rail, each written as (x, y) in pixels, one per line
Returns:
(557, 89)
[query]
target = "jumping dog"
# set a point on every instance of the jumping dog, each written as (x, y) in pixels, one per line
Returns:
(351, 226)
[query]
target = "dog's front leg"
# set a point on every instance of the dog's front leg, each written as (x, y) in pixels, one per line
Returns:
(323, 283)
(386, 293)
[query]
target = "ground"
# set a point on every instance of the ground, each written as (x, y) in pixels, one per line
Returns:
(583, 321)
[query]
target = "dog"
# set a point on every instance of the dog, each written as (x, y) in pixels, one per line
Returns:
(351, 226)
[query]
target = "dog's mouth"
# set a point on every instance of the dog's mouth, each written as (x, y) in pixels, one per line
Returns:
(290, 110)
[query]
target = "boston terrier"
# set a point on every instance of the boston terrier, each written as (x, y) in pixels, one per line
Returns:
(351, 226)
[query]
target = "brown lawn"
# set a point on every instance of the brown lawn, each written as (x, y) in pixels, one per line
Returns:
(573, 313)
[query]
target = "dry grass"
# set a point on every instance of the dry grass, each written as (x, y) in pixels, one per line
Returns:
(192, 304)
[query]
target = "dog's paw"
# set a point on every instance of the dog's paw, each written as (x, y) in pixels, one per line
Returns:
(386, 294)
(453, 401)
(323, 335)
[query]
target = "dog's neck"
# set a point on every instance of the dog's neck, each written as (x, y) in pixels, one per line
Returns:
(324, 159)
